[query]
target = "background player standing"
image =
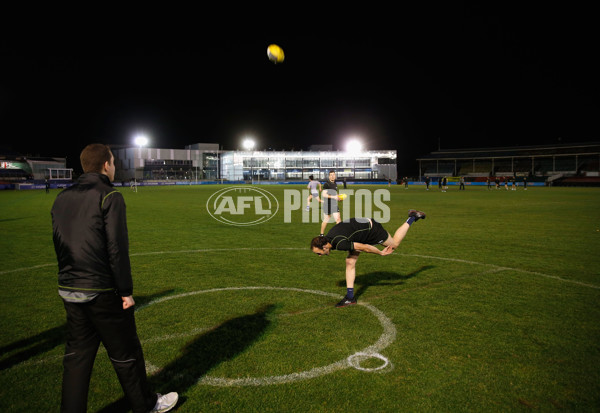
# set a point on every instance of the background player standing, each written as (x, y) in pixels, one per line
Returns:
(330, 201)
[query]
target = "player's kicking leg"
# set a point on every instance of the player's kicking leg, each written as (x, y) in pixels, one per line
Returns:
(413, 215)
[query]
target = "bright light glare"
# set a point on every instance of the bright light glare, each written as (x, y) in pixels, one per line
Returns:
(248, 144)
(354, 145)
(141, 140)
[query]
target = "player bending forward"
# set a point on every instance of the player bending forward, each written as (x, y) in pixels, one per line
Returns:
(358, 235)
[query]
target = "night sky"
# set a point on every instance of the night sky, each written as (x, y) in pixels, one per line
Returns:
(466, 77)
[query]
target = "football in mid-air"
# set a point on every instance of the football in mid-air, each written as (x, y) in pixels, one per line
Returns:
(275, 53)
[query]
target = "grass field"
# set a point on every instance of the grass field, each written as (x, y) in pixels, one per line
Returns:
(490, 304)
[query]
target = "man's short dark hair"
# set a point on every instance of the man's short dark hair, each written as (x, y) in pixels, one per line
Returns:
(318, 242)
(93, 157)
(311, 177)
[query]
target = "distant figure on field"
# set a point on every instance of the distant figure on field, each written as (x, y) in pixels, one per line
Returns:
(313, 191)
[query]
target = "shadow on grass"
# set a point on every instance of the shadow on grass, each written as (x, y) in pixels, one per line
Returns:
(33, 346)
(15, 219)
(204, 352)
(381, 278)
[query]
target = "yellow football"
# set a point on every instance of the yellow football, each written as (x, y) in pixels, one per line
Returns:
(275, 53)
(343, 196)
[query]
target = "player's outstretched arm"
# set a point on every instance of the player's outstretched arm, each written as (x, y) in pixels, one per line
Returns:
(371, 249)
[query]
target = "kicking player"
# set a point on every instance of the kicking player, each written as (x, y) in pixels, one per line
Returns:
(314, 192)
(358, 235)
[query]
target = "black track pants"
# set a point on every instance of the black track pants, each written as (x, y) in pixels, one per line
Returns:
(103, 320)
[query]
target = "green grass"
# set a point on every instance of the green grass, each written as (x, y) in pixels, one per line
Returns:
(494, 299)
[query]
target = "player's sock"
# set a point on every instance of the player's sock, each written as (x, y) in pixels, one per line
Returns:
(410, 220)
(350, 293)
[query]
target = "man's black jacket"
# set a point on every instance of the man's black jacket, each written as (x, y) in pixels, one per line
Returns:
(90, 237)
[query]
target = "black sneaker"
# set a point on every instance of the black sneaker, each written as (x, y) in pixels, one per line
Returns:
(346, 302)
(417, 215)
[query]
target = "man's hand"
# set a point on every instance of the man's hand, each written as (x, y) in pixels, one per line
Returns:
(127, 302)
(387, 250)
(372, 249)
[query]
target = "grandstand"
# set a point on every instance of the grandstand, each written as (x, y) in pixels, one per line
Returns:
(16, 170)
(575, 164)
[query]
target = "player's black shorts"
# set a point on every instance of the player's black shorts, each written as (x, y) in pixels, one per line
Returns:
(377, 234)
(330, 209)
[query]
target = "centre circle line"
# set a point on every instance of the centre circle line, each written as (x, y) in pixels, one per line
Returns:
(386, 338)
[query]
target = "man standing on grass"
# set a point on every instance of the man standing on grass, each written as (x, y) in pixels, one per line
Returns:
(94, 280)
(358, 235)
(330, 201)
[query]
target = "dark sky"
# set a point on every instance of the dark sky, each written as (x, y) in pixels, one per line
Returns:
(462, 77)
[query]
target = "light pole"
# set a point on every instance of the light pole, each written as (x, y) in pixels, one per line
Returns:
(353, 147)
(140, 140)
(249, 144)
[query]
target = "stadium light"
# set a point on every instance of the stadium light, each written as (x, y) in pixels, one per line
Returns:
(248, 144)
(140, 140)
(354, 145)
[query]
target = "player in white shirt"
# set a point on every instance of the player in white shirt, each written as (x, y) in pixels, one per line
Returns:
(314, 192)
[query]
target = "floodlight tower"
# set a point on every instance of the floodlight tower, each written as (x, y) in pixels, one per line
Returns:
(249, 144)
(353, 147)
(140, 140)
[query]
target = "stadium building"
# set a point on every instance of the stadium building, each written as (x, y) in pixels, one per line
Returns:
(208, 162)
(574, 164)
(26, 170)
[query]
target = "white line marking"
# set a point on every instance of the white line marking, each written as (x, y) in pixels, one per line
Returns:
(151, 368)
(500, 268)
(102, 350)
(386, 338)
(355, 359)
(138, 254)
(35, 267)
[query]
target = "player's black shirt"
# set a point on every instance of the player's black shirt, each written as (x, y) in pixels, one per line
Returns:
(343, 235)
(332, 190)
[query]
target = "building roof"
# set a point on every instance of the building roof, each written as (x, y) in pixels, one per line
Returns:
(519, 151)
